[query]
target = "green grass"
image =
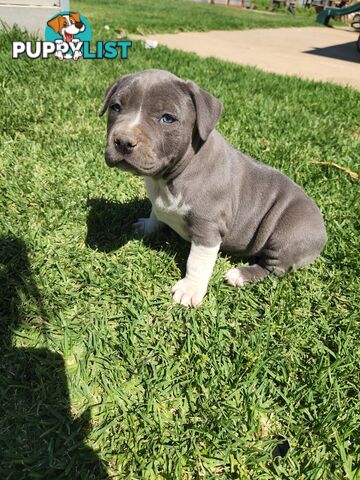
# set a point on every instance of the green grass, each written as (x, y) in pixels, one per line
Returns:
(99, 370)
(144, 16)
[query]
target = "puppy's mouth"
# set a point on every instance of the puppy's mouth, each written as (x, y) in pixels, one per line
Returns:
(124, 165)
(113, 161)
(117, 162)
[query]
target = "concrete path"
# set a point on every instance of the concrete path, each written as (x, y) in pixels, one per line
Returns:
(327, 54)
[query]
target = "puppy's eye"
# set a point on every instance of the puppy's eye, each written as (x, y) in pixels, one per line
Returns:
(167, 118)
(116, 107)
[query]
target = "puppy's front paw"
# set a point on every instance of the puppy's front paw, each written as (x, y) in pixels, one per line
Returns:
(235, 278)
(145, 226)
(188, 293)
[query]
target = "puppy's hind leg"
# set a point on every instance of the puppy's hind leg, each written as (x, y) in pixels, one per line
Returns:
(238, 277)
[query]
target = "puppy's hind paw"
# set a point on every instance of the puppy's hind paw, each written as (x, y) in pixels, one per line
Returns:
(235, 278)
(238, 277)
(188, 293)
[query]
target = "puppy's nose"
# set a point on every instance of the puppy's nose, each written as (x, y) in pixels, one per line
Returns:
(125, 144)
(78, 24)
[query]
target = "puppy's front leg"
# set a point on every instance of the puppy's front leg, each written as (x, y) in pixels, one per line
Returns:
(191, 289)
(147, 226)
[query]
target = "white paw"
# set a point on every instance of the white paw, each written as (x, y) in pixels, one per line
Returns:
(188, 293)
(234, 278)
(59, 55)
(145, 226)
(77, 55)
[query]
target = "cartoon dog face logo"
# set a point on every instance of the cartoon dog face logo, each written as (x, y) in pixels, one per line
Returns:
(67, 26)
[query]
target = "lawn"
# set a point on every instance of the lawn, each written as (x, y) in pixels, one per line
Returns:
(101, 374)
(143, 16)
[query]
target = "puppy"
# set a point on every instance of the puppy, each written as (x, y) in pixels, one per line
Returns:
(67, 26)
(162, 128)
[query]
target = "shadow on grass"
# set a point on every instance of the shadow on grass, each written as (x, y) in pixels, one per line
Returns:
(109, 227)
(109, 223)
(39, 438)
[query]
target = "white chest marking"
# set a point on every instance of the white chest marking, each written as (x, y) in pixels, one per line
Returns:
(168, 208)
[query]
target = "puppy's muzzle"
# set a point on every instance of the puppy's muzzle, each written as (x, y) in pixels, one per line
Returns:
(125, 144)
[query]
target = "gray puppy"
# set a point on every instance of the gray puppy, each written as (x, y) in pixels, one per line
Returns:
(162, 127)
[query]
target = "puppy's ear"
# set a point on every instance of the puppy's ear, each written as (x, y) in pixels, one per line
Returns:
(208, 109)
(56, 23)
(107, 96)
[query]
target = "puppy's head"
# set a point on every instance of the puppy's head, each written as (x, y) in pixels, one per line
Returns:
(153, 120)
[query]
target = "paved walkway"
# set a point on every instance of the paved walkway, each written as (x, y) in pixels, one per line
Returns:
(327, 54)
